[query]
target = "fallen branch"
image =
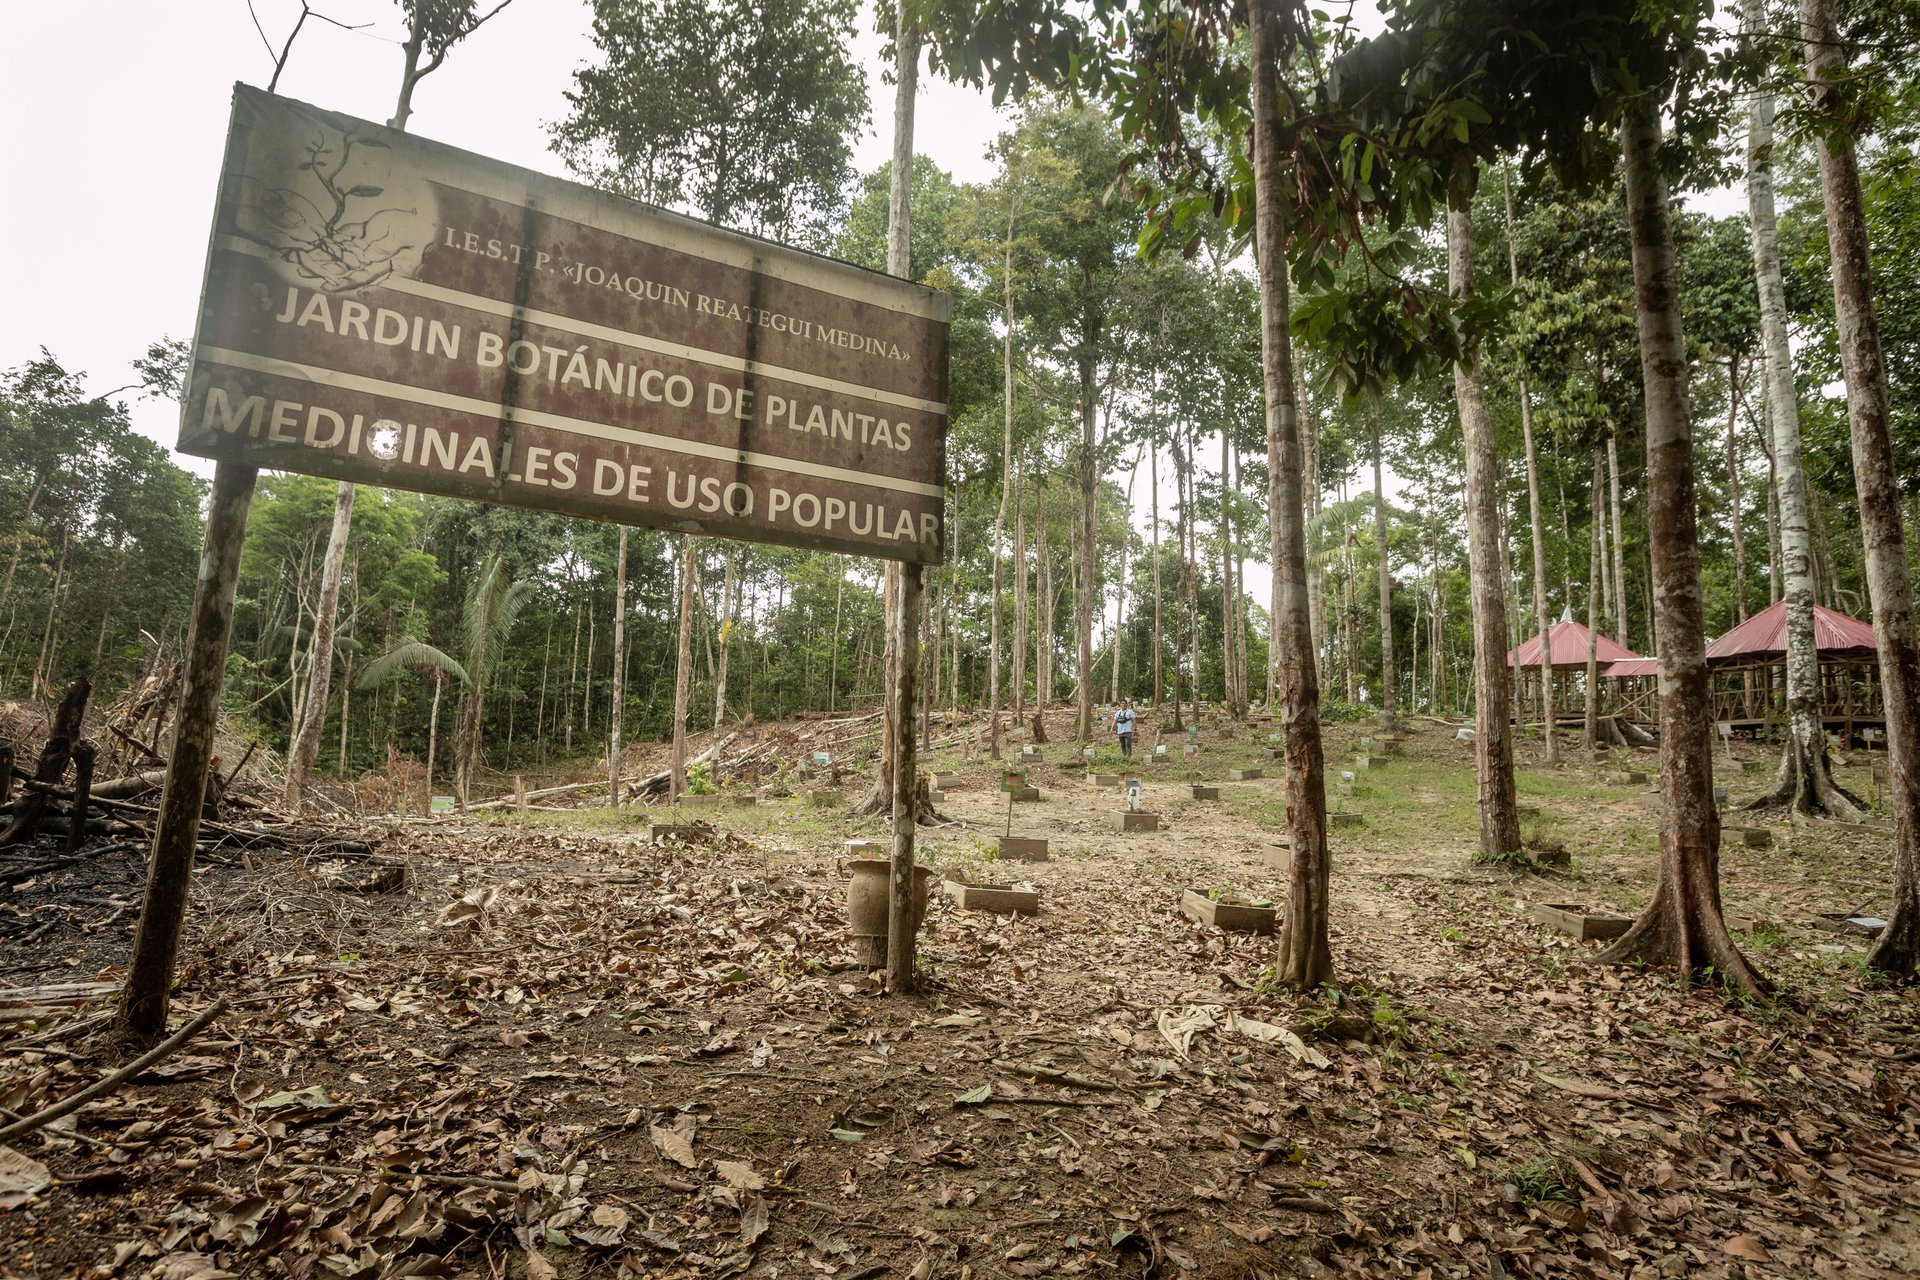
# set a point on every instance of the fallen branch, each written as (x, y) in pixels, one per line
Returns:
(107, 1084)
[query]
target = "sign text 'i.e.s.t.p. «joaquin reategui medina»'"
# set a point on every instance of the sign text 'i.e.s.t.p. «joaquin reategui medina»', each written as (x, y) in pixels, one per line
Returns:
(385, 309)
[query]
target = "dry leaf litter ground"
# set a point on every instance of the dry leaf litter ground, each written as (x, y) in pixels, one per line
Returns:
(560, 1050)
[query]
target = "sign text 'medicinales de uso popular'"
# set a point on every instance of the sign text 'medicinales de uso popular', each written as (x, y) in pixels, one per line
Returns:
(384, 309)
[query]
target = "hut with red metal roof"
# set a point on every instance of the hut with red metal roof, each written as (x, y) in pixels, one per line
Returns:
(1565, 648)
(1748, 666)
(1748, 682)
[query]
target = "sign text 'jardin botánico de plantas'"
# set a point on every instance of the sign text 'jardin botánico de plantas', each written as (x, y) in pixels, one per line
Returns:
(385, 309)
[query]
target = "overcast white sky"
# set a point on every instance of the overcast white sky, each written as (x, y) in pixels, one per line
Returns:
(116, 159)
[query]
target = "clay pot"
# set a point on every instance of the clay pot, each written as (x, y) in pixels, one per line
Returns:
(868, 883)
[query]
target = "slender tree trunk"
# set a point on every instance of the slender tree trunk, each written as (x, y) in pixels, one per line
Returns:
(1681, 926)
(433, 737)
(1042, 605)
(306, 739)
(1019, 597)
(1876, 480)
(1089, 550)
(1389, 718)
(1733, 492)
(1310, 499)
(1548, 727)
(1493, 733)
(1006, 488)
(729, 606)
(43, 663)
(540, 714)
(1619, 539)
(1120, 604)
(683, 672)
(617, 717)
(573, 680)
(1594, 561)
(1305, 959)
(1805, 778)
(346, 706)
(1159, 596)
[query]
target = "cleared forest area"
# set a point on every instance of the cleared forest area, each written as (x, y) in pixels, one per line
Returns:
(554, 1037)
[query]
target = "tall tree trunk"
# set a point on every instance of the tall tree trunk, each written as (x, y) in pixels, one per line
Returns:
(1159, 596)
(433, 736)
(1805, 778)
(729, 606)
(682, 672)
(617, 717)
(1305, 959)
(43, 662)
(573, 679)
(1493, 732)
(1733, 492)
(1120, 605)
(1019, 598)
(1310, 499)
(1089, 550)
(1006, 488)
(1389, 718)
(1681, 926)
(1875, 479)
(1619, 539)
(1548, 727)
(306, 738)
(1594, 559)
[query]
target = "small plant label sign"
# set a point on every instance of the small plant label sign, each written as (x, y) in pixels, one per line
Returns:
(1012, 780)
(821, 759)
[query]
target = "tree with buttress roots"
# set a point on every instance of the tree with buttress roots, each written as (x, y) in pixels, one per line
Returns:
(1581, 89)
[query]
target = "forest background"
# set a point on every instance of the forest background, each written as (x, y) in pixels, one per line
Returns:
(1051, 302)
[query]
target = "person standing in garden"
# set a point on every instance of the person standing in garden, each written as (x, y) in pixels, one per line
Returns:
(1123, 725)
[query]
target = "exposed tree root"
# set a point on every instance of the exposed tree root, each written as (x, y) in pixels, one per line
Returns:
(1804, 780)
(1683, 929)
(1897, 950)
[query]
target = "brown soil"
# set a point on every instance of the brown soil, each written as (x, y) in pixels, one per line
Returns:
(658, 1060)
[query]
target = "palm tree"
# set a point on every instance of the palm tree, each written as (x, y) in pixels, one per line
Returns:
(493, 606)
(420, 657)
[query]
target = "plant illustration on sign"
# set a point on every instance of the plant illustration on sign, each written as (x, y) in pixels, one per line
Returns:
(337, 215)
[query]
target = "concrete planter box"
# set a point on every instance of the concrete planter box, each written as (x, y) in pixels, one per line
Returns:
(869, 849)
(1859, 926)
(1029, 756)
(1369, 762)
(936, 797)
(691, 801)
(825, 798)
(743, 802)
(1234, 917)
(1343, 788)
(1023, 848)
(1001, 899)
(1273, 753)
(1128, 820)
(662, 832)
(1200, 791)
(943, 781)
(1576, 920)
(1628, 778)
(1025, 795)
(1245, 775)
(1104, 779)
(1755, 837)
(1345, 820)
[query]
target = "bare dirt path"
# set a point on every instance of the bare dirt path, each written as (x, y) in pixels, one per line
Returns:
(561, 1050)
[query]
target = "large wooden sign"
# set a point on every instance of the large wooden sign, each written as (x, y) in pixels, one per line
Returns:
(385, 309)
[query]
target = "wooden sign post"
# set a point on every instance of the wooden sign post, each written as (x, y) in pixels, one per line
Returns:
(384, 309)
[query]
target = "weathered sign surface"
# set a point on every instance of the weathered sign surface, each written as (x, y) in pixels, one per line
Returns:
(385, 309)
